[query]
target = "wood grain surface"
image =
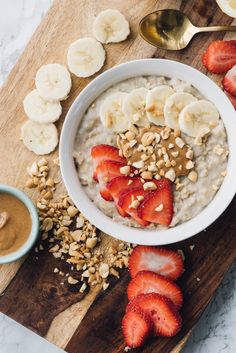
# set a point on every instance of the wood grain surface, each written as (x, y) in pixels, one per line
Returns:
(31, 293)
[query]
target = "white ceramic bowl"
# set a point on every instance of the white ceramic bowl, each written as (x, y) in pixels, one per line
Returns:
(119, 73)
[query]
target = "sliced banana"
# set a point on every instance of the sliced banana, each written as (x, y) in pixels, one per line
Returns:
(173, 106)
(53, 82)
(198, 115)
(39, 138)
(39, 110)
(110, 26)
(155, 102)
(134, 106)
(85, 57)
(111, 114)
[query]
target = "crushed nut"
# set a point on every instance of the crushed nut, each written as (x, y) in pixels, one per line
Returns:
(138, 164)
(189, 165)
(193, 176)
(170, 174)
(179, 142)
(104, 270)
(146, 175)
(159, 208)
(72, 280)
(125, 170)
(72, 211)
(147, 138)
(149, 185)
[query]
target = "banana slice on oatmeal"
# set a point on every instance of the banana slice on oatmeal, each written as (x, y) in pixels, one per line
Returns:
(173, 106)
(134, 106)
(155, 101)
(197, 116)
(111, 113)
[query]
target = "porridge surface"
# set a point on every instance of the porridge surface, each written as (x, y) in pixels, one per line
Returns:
(193, 197)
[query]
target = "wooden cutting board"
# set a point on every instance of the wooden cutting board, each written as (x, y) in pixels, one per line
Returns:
(31, 292)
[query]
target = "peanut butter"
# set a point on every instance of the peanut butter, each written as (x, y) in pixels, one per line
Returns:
(15, 224)
(158, 150)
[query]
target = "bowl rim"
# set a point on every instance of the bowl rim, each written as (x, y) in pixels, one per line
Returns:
(145, 67)
(24, 249)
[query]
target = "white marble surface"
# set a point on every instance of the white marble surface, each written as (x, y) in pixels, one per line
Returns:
(216, 331)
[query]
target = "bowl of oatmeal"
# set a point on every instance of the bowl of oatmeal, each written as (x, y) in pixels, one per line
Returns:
(147, 152)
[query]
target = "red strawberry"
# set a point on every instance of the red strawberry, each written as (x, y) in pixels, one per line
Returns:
(122, 184)
(164, 183)
(136, 326)
(163, 261)
(220, 56)
(229, 81)
(157, 207)
(104, 152)
(148, 282)
(106, 171)
(232, 99)
(126, 200)
(165, 317)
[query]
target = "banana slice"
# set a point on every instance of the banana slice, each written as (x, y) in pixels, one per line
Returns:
(173, 106)
(155, 102)
(39, 138)
(53, 82)
(110, 26)
(111, 114)
(85, 57)
(198, 115)
(134, 106)
(39, 110)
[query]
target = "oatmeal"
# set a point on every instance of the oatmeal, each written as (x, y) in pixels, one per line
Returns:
(191, 151)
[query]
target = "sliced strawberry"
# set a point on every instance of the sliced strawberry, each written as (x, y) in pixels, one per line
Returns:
(136, 327)
(106, 171)
(165, 317)
(157, 207)
(229, 81)
(122, 184)
(220, 56)
(149, 282)
(126, 201)
(164, 183)
(232, 99)
(163, 261)
(104, 152)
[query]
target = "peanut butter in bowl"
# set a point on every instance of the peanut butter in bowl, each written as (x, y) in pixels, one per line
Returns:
(19, 224)
(15, 224)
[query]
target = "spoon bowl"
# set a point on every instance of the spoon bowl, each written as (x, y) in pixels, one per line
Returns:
(171, 29)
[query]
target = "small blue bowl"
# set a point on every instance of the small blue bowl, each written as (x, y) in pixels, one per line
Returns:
(35, 224)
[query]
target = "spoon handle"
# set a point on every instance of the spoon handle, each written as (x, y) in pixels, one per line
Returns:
(217, 28)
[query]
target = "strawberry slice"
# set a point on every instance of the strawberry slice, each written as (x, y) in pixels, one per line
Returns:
(165, 318)
(229, 81)
(136, 327)
(122, 184)
(127, 203)
(232, 99)
(163, 261)
(106, 171)
(104, 152)
(149, 282)
(157, 207)
(220, 56)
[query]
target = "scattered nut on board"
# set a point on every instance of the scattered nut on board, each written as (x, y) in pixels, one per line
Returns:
(79, 246)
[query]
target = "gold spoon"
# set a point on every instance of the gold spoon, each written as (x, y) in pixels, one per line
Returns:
(172, 29)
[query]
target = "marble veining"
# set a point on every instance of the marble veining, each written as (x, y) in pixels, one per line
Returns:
(216, 330)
